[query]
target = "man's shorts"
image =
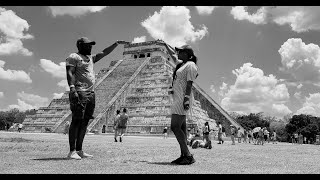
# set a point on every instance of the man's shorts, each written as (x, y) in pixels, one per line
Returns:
(82, 107)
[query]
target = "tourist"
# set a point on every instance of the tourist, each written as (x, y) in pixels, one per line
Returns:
(295, 135)
(206, 131)
(245, 136)
(233, 130)
(239, 135)
(165, 133)
(116, 125)
(188, 132)
(81, 79)
(265, 134)
(104, 128)
(66, 127)
(274, 137)
(250, 136)
(20, 127)
(255, 132)
(189, 138)
(260, 137)
(183, 76)
(220, 133)
(123, 120)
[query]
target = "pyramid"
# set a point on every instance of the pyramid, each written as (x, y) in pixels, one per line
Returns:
(139, 82)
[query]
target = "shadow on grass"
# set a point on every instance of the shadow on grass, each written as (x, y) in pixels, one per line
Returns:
(52, 159)
(163, 163)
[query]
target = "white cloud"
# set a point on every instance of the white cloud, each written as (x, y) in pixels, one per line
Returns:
(280, 110)
(64, 84)
(301, 60)
(12, 29)
(311, 106)
(35, 100)
(205, 10)
(299, 18)
(223, 89)
(22, 106)
(254, 92)
(240, 13)
(29, 101)
(213, 90)
(172, 25)
(58, 71)
(74, 11)
(1, 94)
(299, 86)
(297, 95)
(139, 39)
(14, 75)
(57, 95)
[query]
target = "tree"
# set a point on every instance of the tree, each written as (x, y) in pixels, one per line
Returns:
(307, 125)
(252, 120)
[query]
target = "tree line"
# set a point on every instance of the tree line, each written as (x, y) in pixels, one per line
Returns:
(13, 116)
(307, 125)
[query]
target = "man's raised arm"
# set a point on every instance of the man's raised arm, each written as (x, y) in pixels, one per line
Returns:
(107, 50)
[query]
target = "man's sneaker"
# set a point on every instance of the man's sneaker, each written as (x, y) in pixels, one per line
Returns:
(222, 141)
(120, 139)
(187, 160)
(84, 155)
(73, 155)
(115, 140)
(177, 160)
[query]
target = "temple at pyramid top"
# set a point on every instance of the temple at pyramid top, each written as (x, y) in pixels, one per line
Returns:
(139, 82)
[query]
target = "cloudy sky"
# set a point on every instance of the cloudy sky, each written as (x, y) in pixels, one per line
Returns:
(251, 59)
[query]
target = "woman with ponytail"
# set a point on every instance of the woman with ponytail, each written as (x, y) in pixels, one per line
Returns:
(184, 74)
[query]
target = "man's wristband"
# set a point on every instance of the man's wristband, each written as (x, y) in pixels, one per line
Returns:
(71, 86)
(187, 96)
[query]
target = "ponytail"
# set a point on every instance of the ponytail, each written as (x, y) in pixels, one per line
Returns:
(175, 71)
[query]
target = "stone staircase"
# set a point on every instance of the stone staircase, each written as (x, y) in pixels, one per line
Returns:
(111, 89)
(103, 75)
(47, 117)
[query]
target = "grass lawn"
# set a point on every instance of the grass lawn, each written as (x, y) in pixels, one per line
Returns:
(45, 153)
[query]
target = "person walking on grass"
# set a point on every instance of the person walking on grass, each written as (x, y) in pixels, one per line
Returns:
(183, 76)
(250, 136)
(274, 137)
(220, 133)
(81, 79)
(206, 135)
(116, 125)
(20, 127)
(239, 135)
(233, 130)
(165, 133)
(123, 120)
(66, 127)
(245, 136)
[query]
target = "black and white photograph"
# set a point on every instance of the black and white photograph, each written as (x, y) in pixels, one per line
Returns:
(159, 89)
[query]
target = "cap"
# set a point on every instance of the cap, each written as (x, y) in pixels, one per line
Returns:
(85, 40)
(186, 48)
